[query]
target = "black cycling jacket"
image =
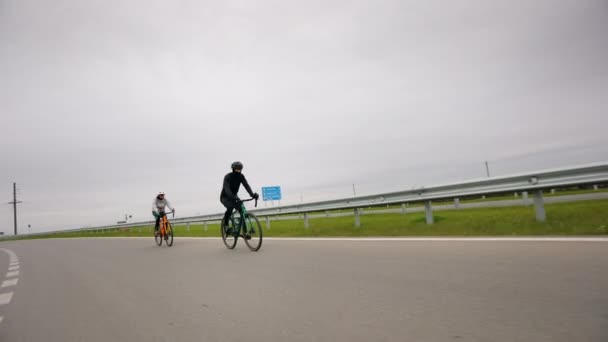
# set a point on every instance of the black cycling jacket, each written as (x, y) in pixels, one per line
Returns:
(232, 183)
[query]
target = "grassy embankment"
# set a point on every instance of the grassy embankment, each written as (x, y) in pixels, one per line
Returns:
(578, 218)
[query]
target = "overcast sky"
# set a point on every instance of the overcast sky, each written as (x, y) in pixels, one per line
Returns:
(105, 103)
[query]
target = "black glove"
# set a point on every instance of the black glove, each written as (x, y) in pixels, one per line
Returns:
(237, 200)
(255, 195)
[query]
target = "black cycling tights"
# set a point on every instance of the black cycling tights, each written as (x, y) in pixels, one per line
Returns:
(230, 206)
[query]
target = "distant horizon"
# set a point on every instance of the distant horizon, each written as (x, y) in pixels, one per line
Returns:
(278, 204)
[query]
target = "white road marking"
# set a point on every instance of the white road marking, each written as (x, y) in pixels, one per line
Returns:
(10, 282)
(390, 239)
(5, 298)
(456, 239)
(387, 239)
(440, 239)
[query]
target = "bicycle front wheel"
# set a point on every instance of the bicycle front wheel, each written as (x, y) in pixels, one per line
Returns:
(228, 235)
(169, 235)
(253, 233)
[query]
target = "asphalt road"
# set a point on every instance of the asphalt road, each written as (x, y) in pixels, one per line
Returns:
(197, 290)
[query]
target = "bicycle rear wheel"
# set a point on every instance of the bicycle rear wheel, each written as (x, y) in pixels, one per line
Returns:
(254, 230)
(158, 238)
(228, 235)
(169, 235)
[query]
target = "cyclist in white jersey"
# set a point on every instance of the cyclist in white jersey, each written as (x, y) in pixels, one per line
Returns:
(158, 208)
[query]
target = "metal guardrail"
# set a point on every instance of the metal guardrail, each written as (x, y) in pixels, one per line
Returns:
(534, 182)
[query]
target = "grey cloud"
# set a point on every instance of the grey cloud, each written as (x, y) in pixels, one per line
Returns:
(104, 103)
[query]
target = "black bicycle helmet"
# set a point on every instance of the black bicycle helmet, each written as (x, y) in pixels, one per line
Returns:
(237, 165)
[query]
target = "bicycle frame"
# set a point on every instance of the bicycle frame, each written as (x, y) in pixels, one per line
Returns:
(163, 226)
(242, 224)
(165, 231)
(242, 211)
(162, 230)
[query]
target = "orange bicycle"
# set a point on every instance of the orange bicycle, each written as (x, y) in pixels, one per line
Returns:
(165, 231)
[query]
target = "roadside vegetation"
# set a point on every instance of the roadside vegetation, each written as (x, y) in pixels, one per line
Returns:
(577, 218)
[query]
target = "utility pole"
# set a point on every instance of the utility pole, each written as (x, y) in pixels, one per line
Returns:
(354, 192)
(487, 169)
(14, 203)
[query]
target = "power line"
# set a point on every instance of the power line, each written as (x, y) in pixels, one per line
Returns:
(14, 203)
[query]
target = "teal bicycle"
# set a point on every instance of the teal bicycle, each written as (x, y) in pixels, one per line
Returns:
(245, 225)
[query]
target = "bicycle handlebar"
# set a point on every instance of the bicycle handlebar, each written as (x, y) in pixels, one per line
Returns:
(172, 213)
(251, 199)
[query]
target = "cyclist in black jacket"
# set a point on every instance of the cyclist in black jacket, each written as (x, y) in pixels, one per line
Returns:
(230, 189)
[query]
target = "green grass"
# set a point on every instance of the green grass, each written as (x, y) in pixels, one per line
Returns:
(578, 218)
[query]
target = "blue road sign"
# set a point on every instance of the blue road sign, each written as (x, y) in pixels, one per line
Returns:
(271, 193)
